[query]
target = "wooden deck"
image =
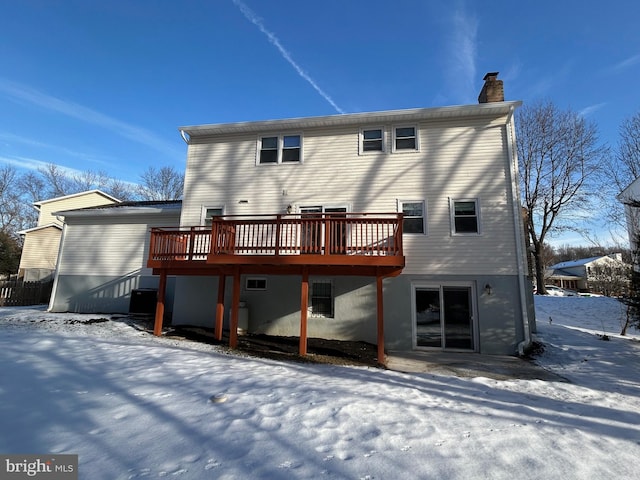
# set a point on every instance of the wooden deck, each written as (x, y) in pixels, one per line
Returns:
(337, 244)
(362, 244)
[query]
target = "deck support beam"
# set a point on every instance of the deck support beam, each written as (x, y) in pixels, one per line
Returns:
(235, 305)
(159, 319)
(380, 314)
(304, 303)
(220, 308)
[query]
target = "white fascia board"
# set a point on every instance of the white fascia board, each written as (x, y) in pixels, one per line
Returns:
(118, 211)
(41, 227)
(79, 194)
(390, 116)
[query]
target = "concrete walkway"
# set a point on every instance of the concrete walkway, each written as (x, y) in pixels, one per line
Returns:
(498, 367)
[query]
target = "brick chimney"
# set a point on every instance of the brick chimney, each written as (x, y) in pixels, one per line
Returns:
(492, 91)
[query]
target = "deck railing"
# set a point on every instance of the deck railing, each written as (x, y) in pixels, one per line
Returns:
(327, 234)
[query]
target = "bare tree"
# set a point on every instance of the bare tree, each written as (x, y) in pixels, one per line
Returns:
(57, 181)
(163, 184)
(560, 160)
(627, 167)
(624, 167)
(15, 214)
(121, 190)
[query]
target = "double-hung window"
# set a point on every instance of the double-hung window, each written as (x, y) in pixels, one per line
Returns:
(371, 140)
(280, 149)
(414, 215)
(208, 213)
(465, 217)
(405, 138)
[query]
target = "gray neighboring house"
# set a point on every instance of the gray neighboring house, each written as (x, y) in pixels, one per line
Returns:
(103, 255)
(588, 274)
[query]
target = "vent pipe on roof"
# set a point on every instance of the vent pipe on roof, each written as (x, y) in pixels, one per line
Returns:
(492, 90)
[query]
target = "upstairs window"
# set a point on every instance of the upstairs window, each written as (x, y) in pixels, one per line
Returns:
(269, 150)
(413, 216)
(465, 217)
(405, 139)
(280, 149)
(372, 140)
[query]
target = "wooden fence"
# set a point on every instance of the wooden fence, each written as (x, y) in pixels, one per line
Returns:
(16, 293)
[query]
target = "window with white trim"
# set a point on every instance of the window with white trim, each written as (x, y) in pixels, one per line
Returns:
(321, 301)
(255, 283)
(371, 140)
(208, 213)
(414, 216)
(405, 138)
(279, 149)
(465, 216)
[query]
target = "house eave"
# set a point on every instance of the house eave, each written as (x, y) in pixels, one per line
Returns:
(381, 117)
(41, 227)
(73, 195)
(120, 211)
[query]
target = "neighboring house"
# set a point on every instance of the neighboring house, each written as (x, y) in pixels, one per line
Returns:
(41, 243)
(103, 254)
(401, 228)
(606, 274)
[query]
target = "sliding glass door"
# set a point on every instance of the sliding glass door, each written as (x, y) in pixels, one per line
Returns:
(444, 317)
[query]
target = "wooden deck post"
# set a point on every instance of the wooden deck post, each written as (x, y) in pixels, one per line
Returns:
(235, 305)
(380, 309)
(304, 303)
(220, 307)
(157, 326)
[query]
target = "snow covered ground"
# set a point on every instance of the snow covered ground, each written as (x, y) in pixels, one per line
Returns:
(134, 406)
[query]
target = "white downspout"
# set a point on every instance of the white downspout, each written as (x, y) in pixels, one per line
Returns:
(519, 230)
(54, 288)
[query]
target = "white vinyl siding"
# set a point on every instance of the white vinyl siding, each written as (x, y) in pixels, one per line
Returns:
(123, 244)
(71, 202)
(456, 159)
(40, 248)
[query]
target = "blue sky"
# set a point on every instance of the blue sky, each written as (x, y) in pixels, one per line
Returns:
(93, 85)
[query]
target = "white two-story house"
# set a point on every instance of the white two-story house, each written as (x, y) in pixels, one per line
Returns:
(401, 228)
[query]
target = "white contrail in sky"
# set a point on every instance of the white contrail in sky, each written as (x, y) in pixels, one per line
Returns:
(257, 21)
(24, 94)
(463, 52)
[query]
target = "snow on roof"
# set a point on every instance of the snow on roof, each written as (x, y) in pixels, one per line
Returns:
(579, 263)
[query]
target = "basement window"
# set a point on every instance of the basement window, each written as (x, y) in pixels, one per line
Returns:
(255, 283)
(321, 300)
